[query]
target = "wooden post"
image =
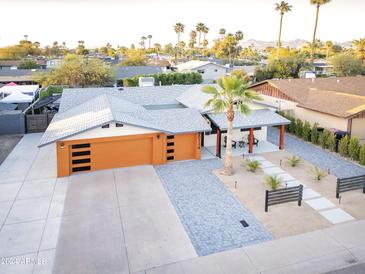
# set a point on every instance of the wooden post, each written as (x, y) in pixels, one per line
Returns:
(250, 145)
(202, 139)
(282, 134)
(266, 201)
(218, 145)
(349, 127)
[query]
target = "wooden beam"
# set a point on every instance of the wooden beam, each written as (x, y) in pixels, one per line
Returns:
(349, 126)
(250, 145)
(282, 134)
(218, 145)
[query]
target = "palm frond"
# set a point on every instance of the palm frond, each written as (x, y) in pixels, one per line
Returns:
(210, 90)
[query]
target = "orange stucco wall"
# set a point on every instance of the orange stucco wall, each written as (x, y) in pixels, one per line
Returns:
(123, 151)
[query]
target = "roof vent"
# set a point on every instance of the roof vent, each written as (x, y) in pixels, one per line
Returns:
(120, 88)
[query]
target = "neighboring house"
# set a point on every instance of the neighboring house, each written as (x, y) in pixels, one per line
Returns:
(102, 128)
(210, 71)
(18, 76)
(337, 103)
(132, 71)
(322, 67)
(53, 63)
(21, 95)
(15, 64)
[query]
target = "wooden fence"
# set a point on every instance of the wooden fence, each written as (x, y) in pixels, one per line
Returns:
(38, 122)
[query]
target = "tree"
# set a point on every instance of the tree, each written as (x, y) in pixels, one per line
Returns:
(299, 128)
(239, 37)
(224, 48)
(222, 32)
(331, 142)
(283, 8)
(329, 47)
(307, 131)
(360, 48)
(142, 42)
(232, 95)
(205, 31)
(78, 71)
(192, 40)
(323, 139)
(149, 37)
(81, 50)
(199, 28)
(29, 64)
(134, 57)
(179, 28)
(346, 65)
(240, 74)
(318, 4)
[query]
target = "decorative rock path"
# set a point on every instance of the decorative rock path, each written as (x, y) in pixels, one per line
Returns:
(320, 204)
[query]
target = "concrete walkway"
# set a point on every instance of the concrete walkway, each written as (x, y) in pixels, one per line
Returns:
(338, 166)
(314, 252)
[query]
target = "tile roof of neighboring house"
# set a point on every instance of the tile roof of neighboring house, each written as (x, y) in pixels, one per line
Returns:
(19, 88)
(342, 97)
(154, 95)
(107, 108)
(195, 64)
(131, 71)
(256, 118)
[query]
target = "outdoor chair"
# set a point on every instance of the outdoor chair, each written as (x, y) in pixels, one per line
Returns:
(241, 143)
(234, 143)
(255, 140)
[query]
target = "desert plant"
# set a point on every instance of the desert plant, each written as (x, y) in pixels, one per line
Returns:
(343, 146)
(307, 131)
(273, 181)
(331, 142)
(354, 148)
(314, 134)
(319, 174)
(323, 139)
(292, 124)
(362, 154)
(294, 160)
(299, 128)
(252, 165)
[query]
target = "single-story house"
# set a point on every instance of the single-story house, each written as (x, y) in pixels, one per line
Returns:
(21, 95)
(337, 103)
(15, 64)
(101, 128)
(210, 71)
(18, 76)
(132, 71)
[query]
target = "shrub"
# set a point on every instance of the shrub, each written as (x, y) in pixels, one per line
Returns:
(307, 131)
(331, 142)
(323, 139)
(362, 154)
(50, 91)
(314, 134)
(343, 146)
(252, 165)
(354, 148)
(294, 160)
(273, 181)
(292, 125)
(299, 128)
(319, 174)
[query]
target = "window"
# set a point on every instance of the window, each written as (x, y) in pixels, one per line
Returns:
(81, 168)
(80, 153)
(81, 161)
(118, 125)
(169, 158)
(170, 151)
(170, 137)
(80, 146)
(201, 71)
(105, 126)
(170, 144)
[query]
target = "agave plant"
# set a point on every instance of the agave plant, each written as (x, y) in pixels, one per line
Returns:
(273, 181)
(319, 174)
(252, 165)
(294, 160)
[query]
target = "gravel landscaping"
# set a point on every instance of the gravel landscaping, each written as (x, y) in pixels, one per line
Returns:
(338, 166)
(209, 211)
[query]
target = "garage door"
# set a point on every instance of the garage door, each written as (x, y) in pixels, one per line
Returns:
(111, 154)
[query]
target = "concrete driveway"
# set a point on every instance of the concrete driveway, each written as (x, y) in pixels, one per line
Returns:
(113, 221)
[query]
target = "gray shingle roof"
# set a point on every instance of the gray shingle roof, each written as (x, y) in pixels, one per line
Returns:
(107, 108)
(6, 106)
(256, 118)
(131, 71)
(145, 96)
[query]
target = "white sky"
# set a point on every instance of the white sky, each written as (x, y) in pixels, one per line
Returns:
(122, 22)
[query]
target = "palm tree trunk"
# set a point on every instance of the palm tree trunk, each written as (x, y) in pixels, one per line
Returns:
(314, 34)
(228, 164)
(279, 40)
(200, 35)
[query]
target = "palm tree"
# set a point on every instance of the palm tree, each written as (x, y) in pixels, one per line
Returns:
(149, 36)
(233, 95)
(239, 37)
(142, 43)
(329, 46)
(222, 32)
(192, 40)
(199, 28)
(283, 7)
(318, 4)
(360, 48)
(179, 28)
(231, 40)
